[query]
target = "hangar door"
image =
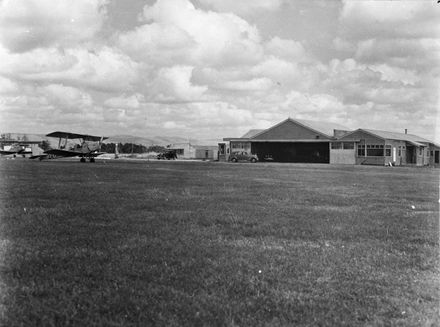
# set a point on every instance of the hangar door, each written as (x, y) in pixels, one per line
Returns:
(313, 152)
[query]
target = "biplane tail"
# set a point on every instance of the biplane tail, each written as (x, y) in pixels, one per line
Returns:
(37, 152)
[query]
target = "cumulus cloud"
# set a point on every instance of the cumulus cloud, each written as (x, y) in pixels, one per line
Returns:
(132, 102)
(103, 69)
(390, 19)
(30, 24)
(175, 29)
(7, 86)
(69, 98)
(255, 84)
(243, 7)
(289, 49)
(173, 84)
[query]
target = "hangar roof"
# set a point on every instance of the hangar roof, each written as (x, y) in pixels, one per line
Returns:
(397, 136)
(325, 128)
(252, 133)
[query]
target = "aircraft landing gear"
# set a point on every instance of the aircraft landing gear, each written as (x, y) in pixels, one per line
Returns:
(92, 159)
(82, 159)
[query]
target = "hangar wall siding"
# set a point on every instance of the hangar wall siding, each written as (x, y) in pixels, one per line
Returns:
(343, 156)
(304, 152)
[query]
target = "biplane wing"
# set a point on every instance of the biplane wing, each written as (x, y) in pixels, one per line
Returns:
(70, 136)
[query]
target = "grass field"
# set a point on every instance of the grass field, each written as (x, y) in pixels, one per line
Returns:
(214, 244)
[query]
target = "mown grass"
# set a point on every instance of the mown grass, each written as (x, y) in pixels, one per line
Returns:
(212, 244)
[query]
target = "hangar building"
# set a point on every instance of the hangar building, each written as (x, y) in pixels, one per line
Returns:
(292, 140)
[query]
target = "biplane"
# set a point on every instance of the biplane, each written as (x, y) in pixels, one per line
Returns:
(74, 145)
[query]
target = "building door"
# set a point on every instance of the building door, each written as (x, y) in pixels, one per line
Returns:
(410, 155)
(394, 154)
(221, 151)
(436, 157)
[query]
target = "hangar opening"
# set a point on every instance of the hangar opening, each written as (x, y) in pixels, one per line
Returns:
(304, 152)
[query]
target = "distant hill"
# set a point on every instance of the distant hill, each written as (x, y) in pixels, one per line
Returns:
(158, 140)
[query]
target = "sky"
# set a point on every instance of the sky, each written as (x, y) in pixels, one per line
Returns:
(210, 69)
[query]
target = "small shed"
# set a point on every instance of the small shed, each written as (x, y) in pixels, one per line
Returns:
(292, 140)
(191, 151)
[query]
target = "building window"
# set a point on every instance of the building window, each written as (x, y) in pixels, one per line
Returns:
(180, 151)
(388, 151)
(336, 145)
(238, 145)
(432, 153)
(420, 151)
(374, 152)
(361, 150)
(348, 146)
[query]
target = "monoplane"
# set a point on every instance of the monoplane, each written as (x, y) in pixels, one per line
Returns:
(75, 145)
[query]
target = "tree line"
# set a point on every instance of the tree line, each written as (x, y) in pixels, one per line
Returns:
(130, 148)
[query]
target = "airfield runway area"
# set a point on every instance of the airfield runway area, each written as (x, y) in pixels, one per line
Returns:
(154, 243)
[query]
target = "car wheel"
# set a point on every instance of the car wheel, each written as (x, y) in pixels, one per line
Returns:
(253, 160)
(234, 159)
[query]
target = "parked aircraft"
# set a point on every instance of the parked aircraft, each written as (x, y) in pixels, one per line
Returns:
(15, 149)
(73, 145)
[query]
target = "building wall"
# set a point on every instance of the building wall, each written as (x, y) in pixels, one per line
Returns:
(374, 161)
(347, 157)
(397, 154)
(363, 139)
(434, 156)
(186, 148)
(206, 153)
(343, 152)
(422, 156)
(289, 130)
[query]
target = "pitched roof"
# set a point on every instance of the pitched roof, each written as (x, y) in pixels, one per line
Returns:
(252, 133)
(321, 127)
(398, 136)
(324, 127)
(414, 139)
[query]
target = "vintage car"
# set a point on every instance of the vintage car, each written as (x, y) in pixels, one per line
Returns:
(168, 154)
(243, 156)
